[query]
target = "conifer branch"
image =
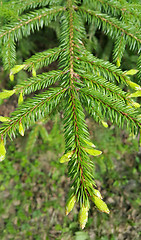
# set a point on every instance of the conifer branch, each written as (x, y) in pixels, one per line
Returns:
(113, 27)
(9, 54)
(113, 7)
(29, 22)
(104, 68)
(32, 110)
(119, 49)
(116, 8)
(42, 59)
(21, 5)
(84, 82)
(42, 81)
(99, 83)
(115, 106)
(75, 129)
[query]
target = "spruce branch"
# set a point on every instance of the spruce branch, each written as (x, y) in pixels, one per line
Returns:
(119, 49)
(113, 27)
(32, 110)
(112, 7)
(42, 59)
(104, 68)
(75, 130)
(83, 82)
(40, 82)
(115, 107)
(21, 5)
(29, 23)
(116, 8)
(100, 84)
(9, 54)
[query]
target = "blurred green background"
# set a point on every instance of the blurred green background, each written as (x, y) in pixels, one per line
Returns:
(34, 185)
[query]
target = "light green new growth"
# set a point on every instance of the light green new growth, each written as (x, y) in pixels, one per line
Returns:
(82, 83)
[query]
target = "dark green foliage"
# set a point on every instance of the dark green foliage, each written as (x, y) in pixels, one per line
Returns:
(82, 81)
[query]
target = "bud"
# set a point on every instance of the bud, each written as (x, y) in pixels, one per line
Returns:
(4, 119)
(131, 72)
(21, 130)
(6, 94)
(93, 152)
(11, 76)
(104, 124)
(89, 143)
(66, 157)
(135, 104)
(2, 151)
(118, 62)
(136, 94)
(20, 99)
(16, 69)
(83, 216)
(101, 205)
(133, 85)
(97, 193)
(70, 204)
(33, 72)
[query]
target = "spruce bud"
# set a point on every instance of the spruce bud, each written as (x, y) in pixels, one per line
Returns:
(2, 151)
(131, 72)
(135, 104)
(133, 85)
(20, 99)
(93, 152)
(136, 94)
(97, 194)
(70, 204)
(33, 72)
(101, 205)
(4, 119)
(89, 143)
(83, 216)
(66, 157)
(21, 130)
(11, 76)
(6, 94)
(104, 124)
(118, 62)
